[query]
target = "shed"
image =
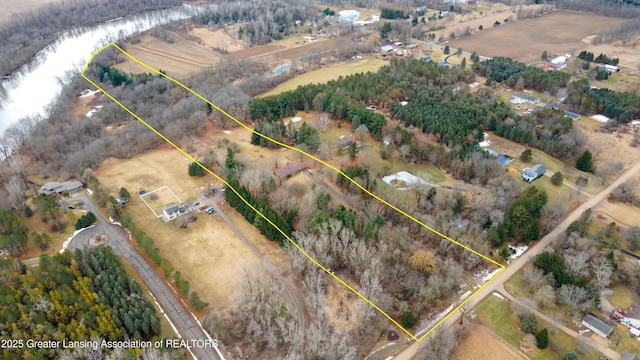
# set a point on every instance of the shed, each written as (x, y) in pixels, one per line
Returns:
(532, 173)
(597, 325)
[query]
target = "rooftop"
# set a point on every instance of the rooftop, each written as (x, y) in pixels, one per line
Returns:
(598, 323)
(289, 169)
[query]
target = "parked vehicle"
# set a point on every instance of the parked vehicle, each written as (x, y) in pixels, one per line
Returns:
(72, 207)
(621, 311)
(210, 210)
(615, 316)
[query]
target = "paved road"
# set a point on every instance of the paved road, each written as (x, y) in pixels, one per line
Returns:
(183, 320)
(302, 314)
(517, 264)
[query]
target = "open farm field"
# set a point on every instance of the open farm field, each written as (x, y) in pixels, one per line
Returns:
(557, 32)
(284, 51)
(483, 344)
(608, 147)
(10, 7)
(208, 252)
(329, 73)
(178, 59)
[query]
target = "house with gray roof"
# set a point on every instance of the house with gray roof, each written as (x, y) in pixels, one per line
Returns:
(597, 325)
(53, 187)
(629, 356)
(173, 211)
(521, 98)
(532, 173)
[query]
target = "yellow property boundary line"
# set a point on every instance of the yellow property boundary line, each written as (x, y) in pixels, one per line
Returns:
(502, 267)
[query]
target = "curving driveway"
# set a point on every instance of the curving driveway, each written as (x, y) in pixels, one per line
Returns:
(186, 323)
(302, 314)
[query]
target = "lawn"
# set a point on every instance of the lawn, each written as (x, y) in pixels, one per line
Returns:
(329, 73)
(622, 341)
(208, 252)
(623, 297)
(57, 238)
(498, 316)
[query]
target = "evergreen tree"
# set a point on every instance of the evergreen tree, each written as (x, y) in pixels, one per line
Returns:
(529, 323)
(542, 338)
(544, 56)
(447, 50)
(572, 355)
(408, 319)
(196, 170)
(557, 178)
(585, 162)
(526, 155)
(124, 193)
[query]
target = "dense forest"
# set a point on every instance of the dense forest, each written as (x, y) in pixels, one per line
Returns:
(26, 34)
(433, 104)
(86, 295)
(514, 73)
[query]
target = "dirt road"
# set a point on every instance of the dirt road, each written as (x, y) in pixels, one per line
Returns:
(302, 314)
(497, 284)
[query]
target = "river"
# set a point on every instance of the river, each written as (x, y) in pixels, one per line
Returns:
(30, 90)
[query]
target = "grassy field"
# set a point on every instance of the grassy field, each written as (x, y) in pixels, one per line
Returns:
(206, 253)
(483, 344)
(57, 238)
(558, 32)
(329, 73)
(623, 297)
(497, 315)
(622, 341)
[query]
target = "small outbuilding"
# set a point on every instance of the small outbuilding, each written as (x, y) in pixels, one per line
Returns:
(532, 173)
(597, 325)
(629, 356)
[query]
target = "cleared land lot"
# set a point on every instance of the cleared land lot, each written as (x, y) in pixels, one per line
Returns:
(208, 254)
(483, 344)
(525, 40)
(329, 73)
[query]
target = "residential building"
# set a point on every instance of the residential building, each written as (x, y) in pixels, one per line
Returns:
(172, 211)
(60, 188)
(521, 98)
(597, 325)
(290, 169)
(629, 356)
(532, 173)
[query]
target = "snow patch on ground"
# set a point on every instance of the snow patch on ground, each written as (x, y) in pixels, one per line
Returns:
(485, 275)
(408, 178)
(90, 191)
(87, 93)
(228, 132)
(93, 111)
(496, 294)
(519, 251)
(66, 242)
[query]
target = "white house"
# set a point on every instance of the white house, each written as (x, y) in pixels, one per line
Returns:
(172, 211)
(532, 173)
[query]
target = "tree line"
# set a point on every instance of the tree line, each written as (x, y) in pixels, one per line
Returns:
(600, 59)
(27, 33)
(514, 73)
(621, 106)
